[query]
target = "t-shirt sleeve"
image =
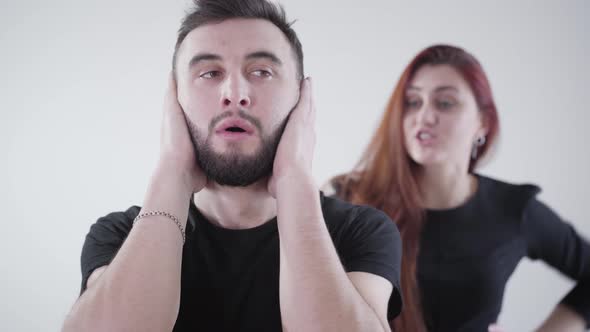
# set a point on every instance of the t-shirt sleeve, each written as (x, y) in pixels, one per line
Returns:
(373, 245)
(558, 244)
(104, 240)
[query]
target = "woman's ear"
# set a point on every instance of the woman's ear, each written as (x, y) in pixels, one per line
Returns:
(484, 127)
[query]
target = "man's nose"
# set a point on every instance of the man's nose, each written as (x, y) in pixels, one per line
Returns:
(235, 92)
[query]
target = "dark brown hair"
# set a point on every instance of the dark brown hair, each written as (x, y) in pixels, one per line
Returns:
(385, 177)
(215, 11)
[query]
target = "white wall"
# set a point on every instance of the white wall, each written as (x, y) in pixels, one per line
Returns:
(81, 85)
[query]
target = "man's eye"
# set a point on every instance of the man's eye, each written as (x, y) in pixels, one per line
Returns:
(262, 73)
(211, 74)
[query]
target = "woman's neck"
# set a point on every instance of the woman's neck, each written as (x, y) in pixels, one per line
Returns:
(444, 188)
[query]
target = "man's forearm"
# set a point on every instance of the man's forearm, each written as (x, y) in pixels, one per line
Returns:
(140, 289)
(315, 292)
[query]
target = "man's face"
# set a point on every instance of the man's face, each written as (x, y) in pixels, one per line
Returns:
(237, 83)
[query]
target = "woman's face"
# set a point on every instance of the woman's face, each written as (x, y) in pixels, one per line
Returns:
(441, 119)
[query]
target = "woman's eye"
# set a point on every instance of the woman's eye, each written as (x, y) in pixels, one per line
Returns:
(412, 103)
(445, 104)
(211, 74)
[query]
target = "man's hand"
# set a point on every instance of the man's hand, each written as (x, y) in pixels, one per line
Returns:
(177, 153)
(294, 155)
(495, 328)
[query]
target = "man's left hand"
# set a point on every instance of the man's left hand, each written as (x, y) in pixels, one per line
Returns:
(293, 160)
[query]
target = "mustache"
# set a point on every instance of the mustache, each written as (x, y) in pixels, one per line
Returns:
(241, 113)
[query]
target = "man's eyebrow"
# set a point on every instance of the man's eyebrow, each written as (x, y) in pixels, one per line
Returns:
(264, 55)
(203, 57)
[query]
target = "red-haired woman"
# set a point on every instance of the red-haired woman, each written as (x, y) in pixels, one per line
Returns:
(463, 233)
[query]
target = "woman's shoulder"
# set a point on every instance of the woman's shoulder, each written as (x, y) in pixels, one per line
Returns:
(492, 183)
(513, 195)
(340, 185)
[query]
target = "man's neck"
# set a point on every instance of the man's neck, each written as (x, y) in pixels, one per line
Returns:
(236, 207)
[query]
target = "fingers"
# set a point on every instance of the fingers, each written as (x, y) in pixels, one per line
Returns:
(174, 127)
(306, 106)
(305, 123)
(171, 81)
(495, 328)
(310, 116)
(173, 112)
(171, 98)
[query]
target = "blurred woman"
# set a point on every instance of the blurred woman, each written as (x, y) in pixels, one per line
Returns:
(463, 233)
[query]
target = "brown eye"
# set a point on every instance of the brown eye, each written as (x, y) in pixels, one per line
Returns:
(211, 74)
(412, 104)
(445, 104)
(262, 73)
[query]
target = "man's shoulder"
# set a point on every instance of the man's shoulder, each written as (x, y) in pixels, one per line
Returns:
(339, 213)
(118, 222)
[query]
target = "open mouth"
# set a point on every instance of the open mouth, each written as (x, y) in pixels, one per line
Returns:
(425, 136)
(235, 130)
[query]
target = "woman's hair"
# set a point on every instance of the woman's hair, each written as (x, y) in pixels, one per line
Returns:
(385, 176)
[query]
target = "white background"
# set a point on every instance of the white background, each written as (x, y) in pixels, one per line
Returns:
(81, 87)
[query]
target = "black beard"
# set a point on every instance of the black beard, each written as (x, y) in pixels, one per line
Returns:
(234, 169)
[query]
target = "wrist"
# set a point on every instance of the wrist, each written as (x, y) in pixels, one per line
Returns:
(175, 178)
(168, 191)
(293, 193)
(295, 180)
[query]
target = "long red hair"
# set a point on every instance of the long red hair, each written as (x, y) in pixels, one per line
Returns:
(385, 177)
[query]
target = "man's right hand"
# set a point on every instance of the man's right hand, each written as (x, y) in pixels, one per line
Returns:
(148, 263)
(177, 153)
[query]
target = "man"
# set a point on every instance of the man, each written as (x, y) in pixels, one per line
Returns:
(233, 235)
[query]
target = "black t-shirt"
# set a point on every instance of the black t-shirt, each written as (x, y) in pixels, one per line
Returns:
(467, 255)
(230, 278)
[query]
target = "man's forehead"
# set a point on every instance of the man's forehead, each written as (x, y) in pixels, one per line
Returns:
(236, 37)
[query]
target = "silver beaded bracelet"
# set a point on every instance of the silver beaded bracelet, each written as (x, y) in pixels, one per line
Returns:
(164, 214)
